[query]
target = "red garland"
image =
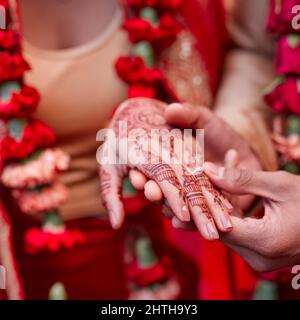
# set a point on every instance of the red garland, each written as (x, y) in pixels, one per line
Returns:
(160, 36)
(285, 97)
(12, 66)
(20, 104)
(158, 273)
(145, 81)
(139, 71)
(287, 55)
(281, 15)
(133, 70)
(35, 135)
(37, 240)
(141, 90)
(9, 39)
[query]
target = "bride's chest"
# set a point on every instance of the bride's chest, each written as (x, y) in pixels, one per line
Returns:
(78, 89)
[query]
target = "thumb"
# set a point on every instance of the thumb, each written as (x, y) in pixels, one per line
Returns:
(268, 185)
(187, 116)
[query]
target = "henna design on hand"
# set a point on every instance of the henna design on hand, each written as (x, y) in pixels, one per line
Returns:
(147, 114)
(162, 172)
(105, 182)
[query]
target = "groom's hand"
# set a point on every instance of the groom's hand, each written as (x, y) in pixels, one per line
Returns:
(274, 240)
(219, 139)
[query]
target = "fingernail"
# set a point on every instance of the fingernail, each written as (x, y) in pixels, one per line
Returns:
(226, 223)
(226, 202)
(176, 105)
(114, 219)
(212, 233)
(185, 213)
(175, 224)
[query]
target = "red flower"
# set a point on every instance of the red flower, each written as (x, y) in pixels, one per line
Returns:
(133, 70)
(144, 277)
(160, 36)
(37, 240)
(281, 16)
(35, 135)
(139, 29)
(43, 135)
(288, 53)
(141, 91)
(21, 104)
(9, 39)
(12, 66)
(167, 31)
(286, 96)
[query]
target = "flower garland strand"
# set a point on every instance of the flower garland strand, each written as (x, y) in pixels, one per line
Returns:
(284, 94)
(152, 26)
(31, 166)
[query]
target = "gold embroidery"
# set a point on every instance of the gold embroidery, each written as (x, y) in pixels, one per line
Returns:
(185, 71)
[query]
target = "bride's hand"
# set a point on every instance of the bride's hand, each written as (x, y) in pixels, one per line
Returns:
(183, 191)
(231, 161)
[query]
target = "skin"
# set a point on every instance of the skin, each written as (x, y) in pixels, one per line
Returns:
(183, 191)
(267, 243)
(272, 241)
(219, 139)
(62, 24)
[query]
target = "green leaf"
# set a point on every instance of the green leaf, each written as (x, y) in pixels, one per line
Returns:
(150, 15)
(291, 167)
(7, 89)
(293, 40)
(37, 189)
(145, 253)
(52, 219)
(144, 50)
(266, 290)
(58, 292)
(34, 156)
(127, 188)
(16, 128)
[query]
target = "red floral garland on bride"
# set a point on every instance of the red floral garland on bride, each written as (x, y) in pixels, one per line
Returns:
(30, 164)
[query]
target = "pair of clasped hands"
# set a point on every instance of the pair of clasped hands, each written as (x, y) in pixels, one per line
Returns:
(231, 181)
